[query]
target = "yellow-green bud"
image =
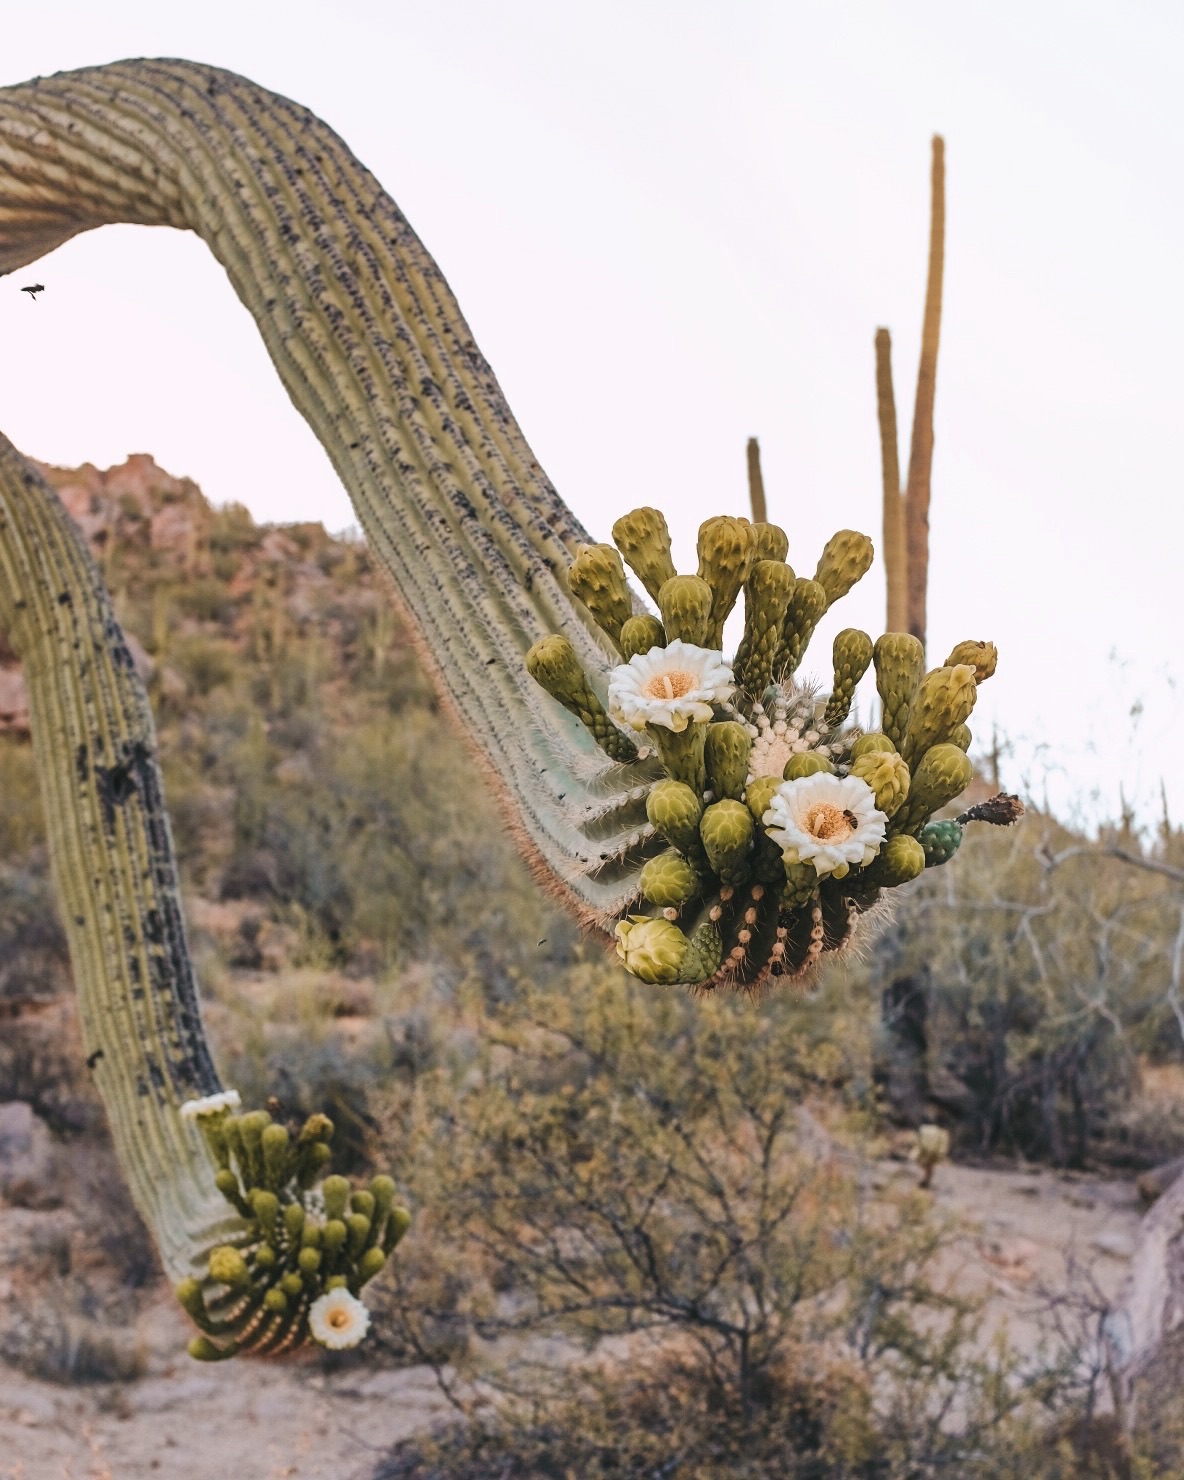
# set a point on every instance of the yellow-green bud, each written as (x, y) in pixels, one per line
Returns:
(333, 1236)
(337, 1282)
(705, 950)
(370, 1264)
(727, 831)
(852, 657)
(685, 604)
(275, 1300)
(769, 542)
(317, 1127)
(228, 1266)
(726, 748)
(942, 703)
(807, 763)
(358, 1227)
(597, 578)
(870, 743)
(759, 794)
(681, 753)
(189, 1293)
(900, 859)
(291, 1283)
(227, 1184)
(309, 1260)
(668, 880)
(294, 1220)
(383, 1188)
(846, 557)
(900, 663)
(652, 950)
(805, 610)
(644, 540)
(887, 775)
(264, 1256)
(961, 737)
(335, 1191)
(943, 773)
(397, 1225)
(266, 1207)
(982, 657)
(276, 1164)
(767, 594)
(553, 664)
(362, 1202)
(726, 549)
(801, 880)
(674, 810)
(202, 1349)
(640, 635)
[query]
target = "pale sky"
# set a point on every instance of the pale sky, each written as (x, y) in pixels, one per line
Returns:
(673, 226)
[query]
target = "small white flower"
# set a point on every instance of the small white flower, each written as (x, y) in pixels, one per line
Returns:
(829, 821)
(338, 1320)
(670, 686)
(211, 1105)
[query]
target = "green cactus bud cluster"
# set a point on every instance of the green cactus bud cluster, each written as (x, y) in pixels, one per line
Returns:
(726, 549)
(640, 635)
(685, 603)
(887, 775)
(726, 748)
(806, 608)
(940, 840)
(808, 763)
(727, 830)
(759, 794)
(982, 657)
(769, 542)
(644, 540)
(943, 773)
(597, 578)
(552, 662)
(669, 880)
(900, 666)
(852, 655)
(297, 1239)
(845, 559)
(801, 884)
(767, 594)
(651, 949)
(942, 703)
(674, 810)
(871, 743)
(704, 953)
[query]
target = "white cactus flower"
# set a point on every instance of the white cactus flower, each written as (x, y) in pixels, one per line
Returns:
(671, 686)
(829, 821)
(338, 1319)
(228, 1099)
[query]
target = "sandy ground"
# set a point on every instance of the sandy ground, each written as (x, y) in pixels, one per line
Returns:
(252, 1421)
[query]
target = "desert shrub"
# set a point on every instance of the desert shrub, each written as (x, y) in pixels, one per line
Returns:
(34, 961)
(204, 663)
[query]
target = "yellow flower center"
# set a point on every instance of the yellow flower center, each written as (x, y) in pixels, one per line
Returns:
(339, 1318)
(828, 822)
(670, 685)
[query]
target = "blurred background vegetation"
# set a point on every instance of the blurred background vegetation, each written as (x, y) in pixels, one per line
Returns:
(648, 1227)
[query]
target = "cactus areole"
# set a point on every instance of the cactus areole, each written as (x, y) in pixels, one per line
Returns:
(653, 832)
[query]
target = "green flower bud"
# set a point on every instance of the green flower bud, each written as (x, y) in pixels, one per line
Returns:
(277, 1166)
(726, 747)
(801, 880)
(900, 664)
(900, 859)
(674, 809)
(727, 831)
(644, 540)
(640, 634)
(333, 1236)
(597, 578)
(961, 737)
(294, 1219)
(982, 657)
(275, 1301)
(264, 1257)
(944, 773)
(852, 658)
(870, 743)
(291, 1284)
(383, 1188)
(335, 1191)
(251, 1127)
(668, 880)
(228, 1267)
(370, 1264)
(652, 950)
(685, 604)
(336, 1282)
(362, 1202)
(942, 703)
(266, 1207)
(705, 951)
(309, 1261)
(767, 594)
(227, 1184)
(807, 763)
(397, 1225)
(358, 1227)
(202, 1349)
(681, 753)
(726, 549)
(769, 542)
(317, 1127)
(553, 664)
(887, 775)
(846, 558)
(311, 1157)
(805, 610)
(760, 794)
(940, 841)
(189, 1293)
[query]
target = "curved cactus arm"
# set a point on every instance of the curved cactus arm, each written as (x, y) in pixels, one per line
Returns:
(376, 355)
(114, 868)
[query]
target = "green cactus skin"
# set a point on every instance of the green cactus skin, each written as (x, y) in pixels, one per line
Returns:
(685, 604)
(806, 608)
(852, 654)
(900, 860)
(900, 666)
(704, 953)
(668, 880)
(769, 542)
(870, 744)
(941, 704)
(846, 558)
(641, 635)
(801, 883)
(643, 539)
(675, 811)
(553, 664)
(767, 594)
(726, 549)
(807, 763)
(888, 777)
(597, 578)
(944, 773)
(727, 831)
(982, 657)
(725, 753)
(940, 840)
(759, 795)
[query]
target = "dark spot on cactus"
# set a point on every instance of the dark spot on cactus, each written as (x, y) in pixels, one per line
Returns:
(93, 1058)
(153, 927)
(80, 763)
(64, 598)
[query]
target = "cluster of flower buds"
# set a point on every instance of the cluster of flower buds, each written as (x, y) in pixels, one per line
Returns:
(303, 1245)
(782, 825)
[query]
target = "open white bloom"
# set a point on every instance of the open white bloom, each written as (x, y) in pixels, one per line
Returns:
(338, 1320)
(829, 821)
(670, 686)
(228, 1099)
